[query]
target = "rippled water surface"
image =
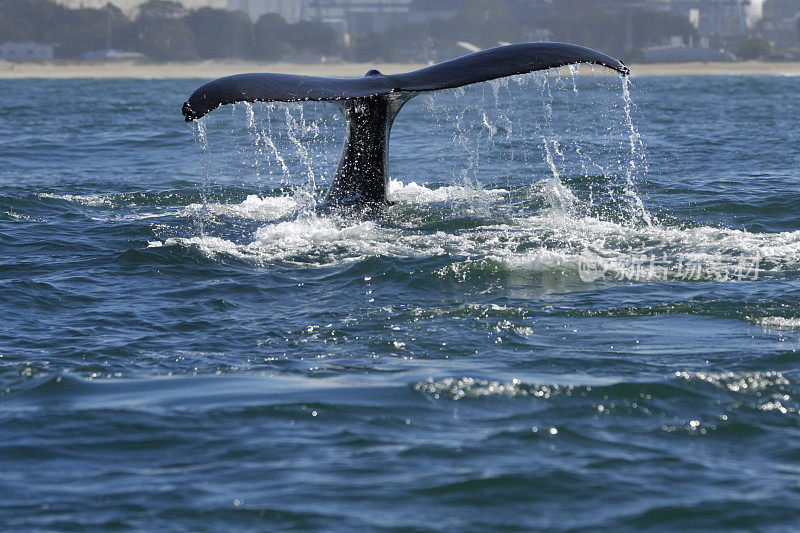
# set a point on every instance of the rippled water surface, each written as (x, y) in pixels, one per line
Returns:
(581, 312)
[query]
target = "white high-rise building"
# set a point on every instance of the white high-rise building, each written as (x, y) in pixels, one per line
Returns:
(291, 10)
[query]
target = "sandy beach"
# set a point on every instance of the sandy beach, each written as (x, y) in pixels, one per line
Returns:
(215, 69)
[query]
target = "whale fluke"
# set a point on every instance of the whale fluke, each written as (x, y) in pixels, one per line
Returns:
(370, 104)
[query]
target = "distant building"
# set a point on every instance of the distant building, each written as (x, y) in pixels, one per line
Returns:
(292, 11)
(351, 16)
(714, 18)
(425, 10)
(112, 54)
(357, 16)
(539, 35)
(779, 23)
(720, 23)
(681, 54)
(717, 21)
(723, 18)
(26, 51)
(130, 7)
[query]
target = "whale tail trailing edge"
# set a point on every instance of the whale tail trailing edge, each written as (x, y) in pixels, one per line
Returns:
(371, 103)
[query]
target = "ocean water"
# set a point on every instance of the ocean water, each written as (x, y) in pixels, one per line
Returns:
(583, 312)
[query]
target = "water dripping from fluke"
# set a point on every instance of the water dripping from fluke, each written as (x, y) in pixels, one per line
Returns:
(370, 106)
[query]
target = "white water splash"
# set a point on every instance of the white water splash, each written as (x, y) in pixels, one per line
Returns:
(252, 208)
(92, 200)
(554, 239)
(777, 322)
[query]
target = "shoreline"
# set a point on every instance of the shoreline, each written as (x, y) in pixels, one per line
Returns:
(215, 68)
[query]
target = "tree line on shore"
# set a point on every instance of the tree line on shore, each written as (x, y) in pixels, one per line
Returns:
(164, 30)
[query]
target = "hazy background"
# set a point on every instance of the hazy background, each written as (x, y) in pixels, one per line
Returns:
(394, 30)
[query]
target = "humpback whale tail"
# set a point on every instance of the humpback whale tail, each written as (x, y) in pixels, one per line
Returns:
(370, 105)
